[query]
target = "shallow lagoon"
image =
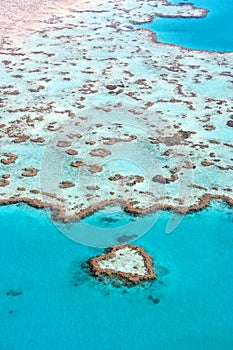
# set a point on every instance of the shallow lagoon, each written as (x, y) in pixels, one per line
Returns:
(213, 32)
(62, 307)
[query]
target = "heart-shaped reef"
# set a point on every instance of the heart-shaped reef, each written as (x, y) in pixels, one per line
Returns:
(128, 262)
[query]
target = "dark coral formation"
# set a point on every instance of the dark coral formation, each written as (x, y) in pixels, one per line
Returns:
(10, 158)
(100, 152)
(29, 172)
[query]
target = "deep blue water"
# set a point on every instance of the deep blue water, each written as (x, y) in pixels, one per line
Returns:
(214, 32)
(58, 305)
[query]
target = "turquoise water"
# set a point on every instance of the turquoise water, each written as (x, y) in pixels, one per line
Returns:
(214, 32)
(49, 301)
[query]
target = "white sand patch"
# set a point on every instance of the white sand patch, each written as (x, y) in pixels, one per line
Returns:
(126, 260)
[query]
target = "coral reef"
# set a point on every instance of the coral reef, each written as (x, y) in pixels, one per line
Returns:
(128, 262)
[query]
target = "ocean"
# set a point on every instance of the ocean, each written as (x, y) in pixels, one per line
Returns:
(50, 301)
(212, 33)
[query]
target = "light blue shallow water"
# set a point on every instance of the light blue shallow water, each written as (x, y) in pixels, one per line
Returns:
(214, 32)
(62, 307)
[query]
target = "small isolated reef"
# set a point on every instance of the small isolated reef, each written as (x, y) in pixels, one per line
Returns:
(130, 263)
